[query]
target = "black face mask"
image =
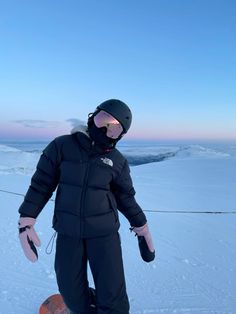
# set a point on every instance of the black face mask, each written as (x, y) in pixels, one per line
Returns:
(98, 135)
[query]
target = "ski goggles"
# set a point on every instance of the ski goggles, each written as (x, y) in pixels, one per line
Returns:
(104, 119)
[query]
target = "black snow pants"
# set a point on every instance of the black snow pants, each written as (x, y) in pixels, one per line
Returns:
(105, 260)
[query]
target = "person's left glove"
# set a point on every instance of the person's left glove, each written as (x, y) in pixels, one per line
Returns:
(146, 246)
(28, 237)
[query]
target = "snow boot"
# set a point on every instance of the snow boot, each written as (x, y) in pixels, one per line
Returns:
(93, 307)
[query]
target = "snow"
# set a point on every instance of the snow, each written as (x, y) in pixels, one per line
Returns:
(194, 270)
(16, 161)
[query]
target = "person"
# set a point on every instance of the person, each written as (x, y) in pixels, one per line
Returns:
(93, 182)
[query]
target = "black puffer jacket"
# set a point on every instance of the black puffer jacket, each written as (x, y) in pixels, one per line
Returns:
(91, 186)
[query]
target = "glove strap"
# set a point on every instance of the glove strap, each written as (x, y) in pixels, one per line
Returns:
(23, 229)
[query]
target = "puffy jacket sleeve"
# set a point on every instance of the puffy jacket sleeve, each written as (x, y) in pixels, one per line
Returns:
(43, 182)
(124, 192)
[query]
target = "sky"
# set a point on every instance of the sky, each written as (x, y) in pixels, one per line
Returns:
(172, 61)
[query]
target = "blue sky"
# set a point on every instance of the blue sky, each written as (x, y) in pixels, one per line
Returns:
(172, 61)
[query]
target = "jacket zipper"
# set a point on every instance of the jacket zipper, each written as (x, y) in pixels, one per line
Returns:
(83, 193)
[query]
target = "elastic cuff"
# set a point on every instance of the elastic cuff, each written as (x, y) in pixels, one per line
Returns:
(26, 215)
(138, 220)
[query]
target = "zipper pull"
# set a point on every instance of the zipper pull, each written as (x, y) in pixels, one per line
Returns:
(49, 247)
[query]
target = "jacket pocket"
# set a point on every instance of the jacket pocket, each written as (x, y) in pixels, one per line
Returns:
(113, 205)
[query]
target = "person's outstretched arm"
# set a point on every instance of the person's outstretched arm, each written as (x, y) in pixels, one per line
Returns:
(124, 192)
(43, 183)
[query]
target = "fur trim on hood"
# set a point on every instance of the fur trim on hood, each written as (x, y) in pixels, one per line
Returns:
(80, 128)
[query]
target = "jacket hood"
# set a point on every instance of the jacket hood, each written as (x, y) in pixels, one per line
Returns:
(80, 128)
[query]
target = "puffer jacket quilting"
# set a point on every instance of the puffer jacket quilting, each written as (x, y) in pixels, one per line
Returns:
(91, 186)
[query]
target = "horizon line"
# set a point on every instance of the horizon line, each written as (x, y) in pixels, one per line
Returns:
(128, 139)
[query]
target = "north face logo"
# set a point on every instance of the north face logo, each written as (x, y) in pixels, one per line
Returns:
(107, 161)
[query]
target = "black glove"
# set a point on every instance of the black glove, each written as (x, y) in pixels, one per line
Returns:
(145, 243)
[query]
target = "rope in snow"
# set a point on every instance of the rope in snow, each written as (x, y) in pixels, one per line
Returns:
(152, 211)
(19, 194)
(189, 212)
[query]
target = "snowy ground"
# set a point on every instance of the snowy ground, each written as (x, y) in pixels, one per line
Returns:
(194, 271)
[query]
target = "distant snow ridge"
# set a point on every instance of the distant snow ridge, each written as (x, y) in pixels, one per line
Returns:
(15, 161)
(144, 154)
(7, 149)
(157, 154)
(140, 160)
(200, 151)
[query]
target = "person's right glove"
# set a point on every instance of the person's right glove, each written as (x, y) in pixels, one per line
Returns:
(28, 237)
(145, 242)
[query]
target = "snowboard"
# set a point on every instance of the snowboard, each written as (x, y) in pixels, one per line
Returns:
(54, 305)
